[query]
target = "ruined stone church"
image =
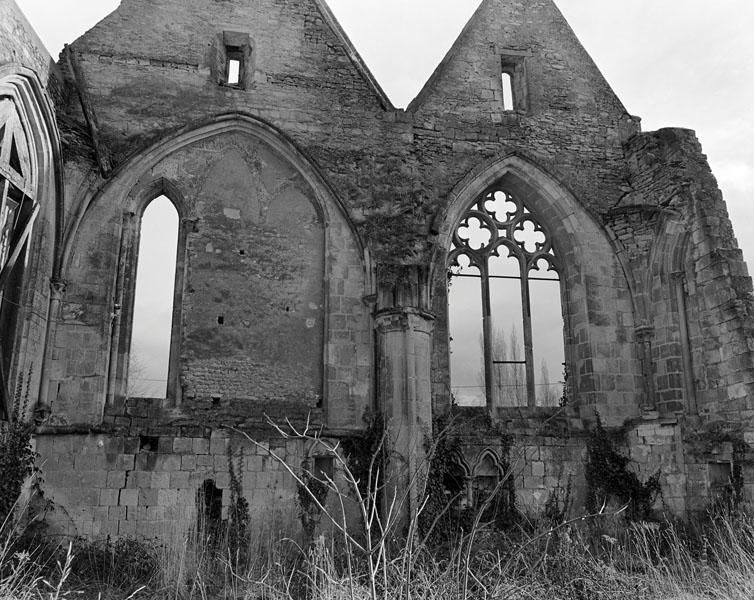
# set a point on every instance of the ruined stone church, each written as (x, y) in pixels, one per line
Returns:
(511, 248)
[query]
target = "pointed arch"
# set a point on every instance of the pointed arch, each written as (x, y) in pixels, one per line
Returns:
(127, 176)
(141, 197)
(45, 153)
(487, 458)
(666, 282)
(595, 291)
(32, 181)
(303, 228)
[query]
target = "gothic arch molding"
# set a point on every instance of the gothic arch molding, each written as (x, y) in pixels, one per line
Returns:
(126, 178)
(38, 118)
(593, 311)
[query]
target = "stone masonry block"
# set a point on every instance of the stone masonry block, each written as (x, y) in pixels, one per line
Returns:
(179, 479)
(168, 462)
(183, 445)
(200, 446)
(116, 479)
(161, 479)
(218, 445)
(108, 497)
(129, 497)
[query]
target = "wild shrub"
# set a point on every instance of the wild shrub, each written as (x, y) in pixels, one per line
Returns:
(608, 477)
(16, 454)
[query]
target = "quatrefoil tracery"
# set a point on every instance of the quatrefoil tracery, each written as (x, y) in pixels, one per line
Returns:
(498, 224)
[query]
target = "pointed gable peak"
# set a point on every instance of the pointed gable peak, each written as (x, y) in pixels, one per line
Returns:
(353, 54)
(531, 41)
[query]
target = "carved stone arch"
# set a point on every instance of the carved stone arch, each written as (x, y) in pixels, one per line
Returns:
(166, 169)
(146, 191)
(595, 289)
(666, 289)
(38, 118)
(138, 199)
(125, 177)
(485, 455)
(459, 459)
(40, 230)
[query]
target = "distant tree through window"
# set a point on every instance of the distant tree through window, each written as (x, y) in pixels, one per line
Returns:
(506, 324)
(153, 301)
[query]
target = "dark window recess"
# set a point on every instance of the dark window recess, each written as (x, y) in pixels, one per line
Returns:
(148, 443)
(234, 59)
(15, 161)
(324, 467)
(721, 479)
(209, 508)
(221, 320)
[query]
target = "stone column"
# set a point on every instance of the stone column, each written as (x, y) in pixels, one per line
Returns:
(57, 292)
(644, 337)
(404, 338)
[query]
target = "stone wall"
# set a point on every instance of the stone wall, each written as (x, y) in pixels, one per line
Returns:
(148, 486)
(316, 217)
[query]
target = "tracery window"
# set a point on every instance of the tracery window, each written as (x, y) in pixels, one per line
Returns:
(504, 307)
(18, 209)
(15, 202)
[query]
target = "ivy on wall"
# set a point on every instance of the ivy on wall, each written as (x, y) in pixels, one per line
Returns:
(608, 478)
(16, 454)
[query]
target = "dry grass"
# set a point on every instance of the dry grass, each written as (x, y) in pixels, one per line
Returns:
(595, 557)
(575, 561)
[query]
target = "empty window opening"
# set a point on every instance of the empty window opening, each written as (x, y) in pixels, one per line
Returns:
(15, 159)
(209, 510)
(234, 71)
(14, 150)
(324, 468)
(504, 308)
(153, 301)
(221, 320)
(508, 103)
(148, 443)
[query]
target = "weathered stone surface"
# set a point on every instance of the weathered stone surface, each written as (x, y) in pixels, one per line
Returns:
(315, 222)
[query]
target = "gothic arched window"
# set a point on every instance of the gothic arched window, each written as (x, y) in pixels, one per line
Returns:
(504, 307)
(18, 208)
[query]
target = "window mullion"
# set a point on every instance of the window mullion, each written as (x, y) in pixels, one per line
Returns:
(528, 337)
(487, 329)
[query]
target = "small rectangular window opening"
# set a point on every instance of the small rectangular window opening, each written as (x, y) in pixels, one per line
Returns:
(507, 91)
(324, 468)
(234, 71)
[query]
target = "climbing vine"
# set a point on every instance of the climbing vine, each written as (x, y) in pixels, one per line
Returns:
(446, 511)
(239, 517)
(368, 454)
(608, 477)
(16, 454)
(312, 493)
